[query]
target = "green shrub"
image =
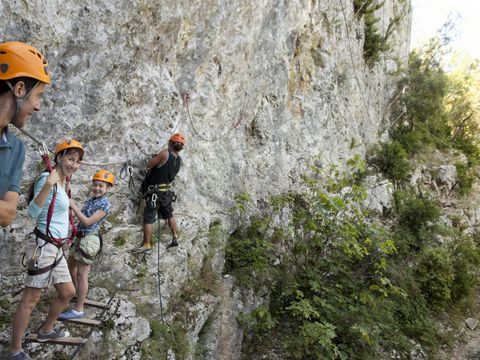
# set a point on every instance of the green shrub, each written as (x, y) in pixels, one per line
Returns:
(465, 178)
(259, 320)
(465, 257)
(435, 273)
(391, 159)
(415, 213)
(411, 140)
(342, 286)
(164, 337)
(375, 43)
(249, 255)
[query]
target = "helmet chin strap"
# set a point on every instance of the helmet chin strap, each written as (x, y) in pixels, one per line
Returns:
(19, 101)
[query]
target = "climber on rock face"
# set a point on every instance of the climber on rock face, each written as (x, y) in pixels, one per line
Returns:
(23, 77)
(159, 196)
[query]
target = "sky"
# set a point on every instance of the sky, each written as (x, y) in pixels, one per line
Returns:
(430, 15)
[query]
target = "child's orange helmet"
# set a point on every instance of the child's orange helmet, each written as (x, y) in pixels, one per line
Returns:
(178, 137)
(18, 59)
(69, 144)
(105, 176)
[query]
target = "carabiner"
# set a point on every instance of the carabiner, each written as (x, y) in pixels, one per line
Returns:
(154, 199)
(43, 149)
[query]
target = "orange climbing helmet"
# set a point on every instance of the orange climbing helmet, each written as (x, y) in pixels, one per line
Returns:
(105, 176)
(69, 144)
(178, 137)
(19, 59)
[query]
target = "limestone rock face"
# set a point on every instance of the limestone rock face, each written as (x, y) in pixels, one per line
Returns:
(260, 88)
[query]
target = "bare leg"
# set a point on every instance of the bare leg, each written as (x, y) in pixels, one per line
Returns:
(65, 293)
(82, 286)
(21, 318)
(72, 267)
(147, 234)
(173, 227)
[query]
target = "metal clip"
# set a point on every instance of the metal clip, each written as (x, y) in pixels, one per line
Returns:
(43, 149)
(32, 263)
(154, 199)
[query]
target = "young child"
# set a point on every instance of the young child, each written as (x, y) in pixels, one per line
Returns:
(87, 244)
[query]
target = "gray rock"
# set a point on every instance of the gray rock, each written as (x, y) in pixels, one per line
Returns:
(447, 175)
(379, 194)
(417, 353)
(471, 323)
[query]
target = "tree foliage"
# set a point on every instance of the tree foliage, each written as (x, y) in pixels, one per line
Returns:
(339, 284)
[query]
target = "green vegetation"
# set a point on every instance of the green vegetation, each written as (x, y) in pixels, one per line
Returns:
(120, 240)
(342, 285)
(465, 178)
(6, 312)
(391, 159)
(163, 338)
(375, 43)
(174, 335)
(439, 109)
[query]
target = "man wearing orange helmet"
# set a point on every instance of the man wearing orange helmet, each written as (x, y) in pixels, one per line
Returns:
(23, 77)
(159, 196)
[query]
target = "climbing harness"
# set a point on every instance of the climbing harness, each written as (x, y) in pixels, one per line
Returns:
(160, 194)
(32, 264)
(49, 237)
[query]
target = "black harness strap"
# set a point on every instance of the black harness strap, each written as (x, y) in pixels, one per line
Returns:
(34, 272)
(42, 236)
(41, 271)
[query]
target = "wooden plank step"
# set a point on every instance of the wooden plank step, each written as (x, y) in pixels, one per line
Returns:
(92, 303)
(82, 321)
(63, 341)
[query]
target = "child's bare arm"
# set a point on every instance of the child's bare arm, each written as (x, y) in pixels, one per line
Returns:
(87, 221)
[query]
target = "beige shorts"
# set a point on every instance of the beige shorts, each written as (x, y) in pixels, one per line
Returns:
(49, 254)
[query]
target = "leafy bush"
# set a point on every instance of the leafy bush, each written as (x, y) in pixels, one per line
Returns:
(375, 43)
(436, 274)
(416, 214)
(465, 178)
(391, 159)
(342, 286)
(436, 108)
(465, 257)
(337, 261)
(249, 255)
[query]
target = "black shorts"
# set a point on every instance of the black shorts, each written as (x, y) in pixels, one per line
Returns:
(163, 207)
